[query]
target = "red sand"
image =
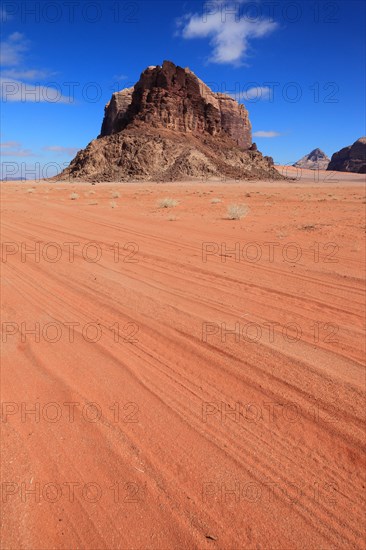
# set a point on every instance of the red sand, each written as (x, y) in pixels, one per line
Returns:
(285, 469)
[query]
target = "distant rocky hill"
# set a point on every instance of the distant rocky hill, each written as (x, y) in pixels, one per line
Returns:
(171, 126)
(351, 158)
(316, 160)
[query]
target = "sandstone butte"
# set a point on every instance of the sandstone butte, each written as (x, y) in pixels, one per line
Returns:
(171, 126)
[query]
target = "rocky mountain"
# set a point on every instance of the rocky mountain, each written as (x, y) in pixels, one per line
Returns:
(316, 160)
(351, 158)
(171, 126)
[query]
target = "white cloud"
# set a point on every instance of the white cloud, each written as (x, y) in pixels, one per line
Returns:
(266, 134)
(253, 94)
(229, 33)
(12, 90)
(59, 149)
(12, 49)
(257, 93)
(12, 85)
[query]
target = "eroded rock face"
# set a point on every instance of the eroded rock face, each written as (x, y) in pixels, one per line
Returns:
(351, 158)
(115, 111)
(316, 160)
(175, 98)
(171, 126)
(160, 157)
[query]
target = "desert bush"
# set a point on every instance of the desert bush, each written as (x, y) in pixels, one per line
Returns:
(74, 196)
(115, 195)
(215, 201)
(31, 190)
(167, 203)
(237, 211)
(308, 227)
(113, 204)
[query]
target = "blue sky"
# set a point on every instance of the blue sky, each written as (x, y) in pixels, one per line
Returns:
(298, 66)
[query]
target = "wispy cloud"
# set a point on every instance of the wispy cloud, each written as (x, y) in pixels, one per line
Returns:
(9, 144)
(60, 150)
(12, 49)
(13, 149)
(19, 84)
(27, 74)
(19, 153)
(254, 94)
(266, 134)
(12, 90)
(229, 34)
(120, 77)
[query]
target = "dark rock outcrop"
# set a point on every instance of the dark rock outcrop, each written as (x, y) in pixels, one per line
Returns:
(170, 126)
(351, 158)
(316, 160)
(175, 98)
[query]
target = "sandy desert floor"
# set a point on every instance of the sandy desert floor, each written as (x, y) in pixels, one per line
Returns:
(175, 379)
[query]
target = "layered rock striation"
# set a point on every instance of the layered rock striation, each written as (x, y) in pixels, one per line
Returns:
(170, 126)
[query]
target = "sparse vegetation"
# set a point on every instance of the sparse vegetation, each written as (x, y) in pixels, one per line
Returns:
(113, 204)
(309, 227)
(93, 203)
(237, 211)
(115, 195)
(281, 235)
(167, 203)
(31, 190)
(172, 218)
(74, 196)
(215, 201)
